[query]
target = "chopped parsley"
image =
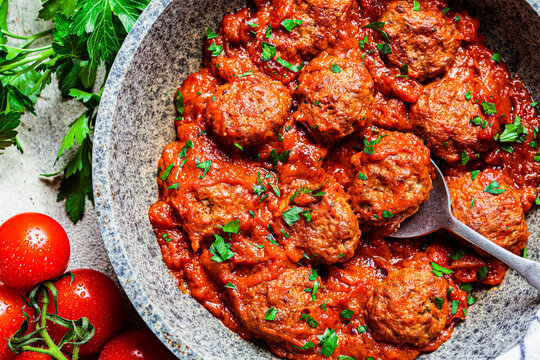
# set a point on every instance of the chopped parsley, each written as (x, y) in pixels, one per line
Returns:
(513, 132)
(221, 250)
(210, 34)
(268, 51)
(291, 215)
(361, 329)
(251, 213)
(537, 157)
(179, 102)
(439, 302)
(274, 158)
(307, 216)
(173, 186)
(238, 146)
(314, 291)
(445, 11)
(288, 65)
(368, 144)
(455, 305)
(464, 158)
(323, 306)
(404, 69)
(489, 108)
(496, 57)
(232, 227)
(308, 345)
(204, 165)
(230, 285)
(363, 43)
(493, 188)
(268, 32)
(271, 240)
(310, 321)
(285, 234)
(525, 252)
(270, 314)
(346, 314)
(276, 190)
(215, 49)
(335, 68)
(468, 95)
(259, 188)
(247, 73)
(290, 24)
(474, 174)
(362, 176)
(384, 48)
(438, 270)
(387, 214)
(166, 237)
(472, 203)
(481, 273)
(313, 274)
(328, 342)
(165, 174)
(416, 6)
(377, 26)
(457, 17)
(458, 254)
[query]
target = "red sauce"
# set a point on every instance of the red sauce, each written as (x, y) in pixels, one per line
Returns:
(251, 198)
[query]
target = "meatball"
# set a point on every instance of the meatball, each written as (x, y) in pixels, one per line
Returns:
(393, 178)
(424, 40)
(334, 97)
(286, 294)
(403, 310)
(322, 20)
(490, 205)
(248, 110)
(452, 124)
(329, 233)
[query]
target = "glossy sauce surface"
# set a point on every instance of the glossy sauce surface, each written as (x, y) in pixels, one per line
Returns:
(299, 148)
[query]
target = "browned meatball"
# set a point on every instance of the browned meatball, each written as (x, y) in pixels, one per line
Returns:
(424, 40)
(248, 110)
(451, 124)
(328, 234)
(321, 22)
(402, 309)
(492, 209)
(285, 293)
(335, 95)
(392, 180)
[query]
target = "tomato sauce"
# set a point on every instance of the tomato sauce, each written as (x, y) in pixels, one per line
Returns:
(257, 221)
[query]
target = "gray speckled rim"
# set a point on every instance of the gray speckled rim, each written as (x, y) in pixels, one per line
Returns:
(187, 340)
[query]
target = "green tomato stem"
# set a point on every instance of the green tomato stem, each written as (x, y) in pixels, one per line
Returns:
(54, 351)
(75, 353)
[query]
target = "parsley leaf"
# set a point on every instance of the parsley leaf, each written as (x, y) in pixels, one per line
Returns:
(210, 34)
(335, 68)
(310, 321)
(493, 188)
(230, 285)
(384, 48)
(438, 270)
(416, 6)
(232, 227)
(216, 50)
(328, 341)
(308, 345)
(290, 66)
(270, 314)
(439, 302)
(291, 215)
(290, 24)
(346, 314)
(489, 108)
(268, 51)
(8, 123)
(204, 165)
(377, 26)
(481, 273)
(514, 132)
(221, 250)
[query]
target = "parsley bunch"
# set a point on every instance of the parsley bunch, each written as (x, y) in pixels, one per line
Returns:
(84, 36)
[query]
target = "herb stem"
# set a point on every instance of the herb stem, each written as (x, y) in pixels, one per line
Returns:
(33, 66)
(36, 49)
(15, 64)
(53, 349)
(22, 37)
(75, 353)
(37, 37)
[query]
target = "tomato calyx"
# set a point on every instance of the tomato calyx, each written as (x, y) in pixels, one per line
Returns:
(79, 331)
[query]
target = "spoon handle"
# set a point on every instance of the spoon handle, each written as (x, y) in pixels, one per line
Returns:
(529, 269)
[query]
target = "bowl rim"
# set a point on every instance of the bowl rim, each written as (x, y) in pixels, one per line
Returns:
(102, 186)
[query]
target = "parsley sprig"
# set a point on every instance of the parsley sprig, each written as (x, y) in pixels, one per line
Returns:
(84, 36)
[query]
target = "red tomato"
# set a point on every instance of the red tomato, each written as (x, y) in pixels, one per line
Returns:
(92, 295)
(33, 248)
(32, 356)
(11, 318)
(136, 345)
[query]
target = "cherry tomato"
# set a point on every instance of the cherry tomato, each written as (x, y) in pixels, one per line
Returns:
(93, 295)
(27, 355)
(136, 345)
(11, 318)
(33, 248)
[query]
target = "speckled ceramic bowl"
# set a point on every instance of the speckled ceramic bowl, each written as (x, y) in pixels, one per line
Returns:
(136, 121)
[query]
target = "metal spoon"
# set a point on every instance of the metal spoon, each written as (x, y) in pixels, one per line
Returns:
(436, 213)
